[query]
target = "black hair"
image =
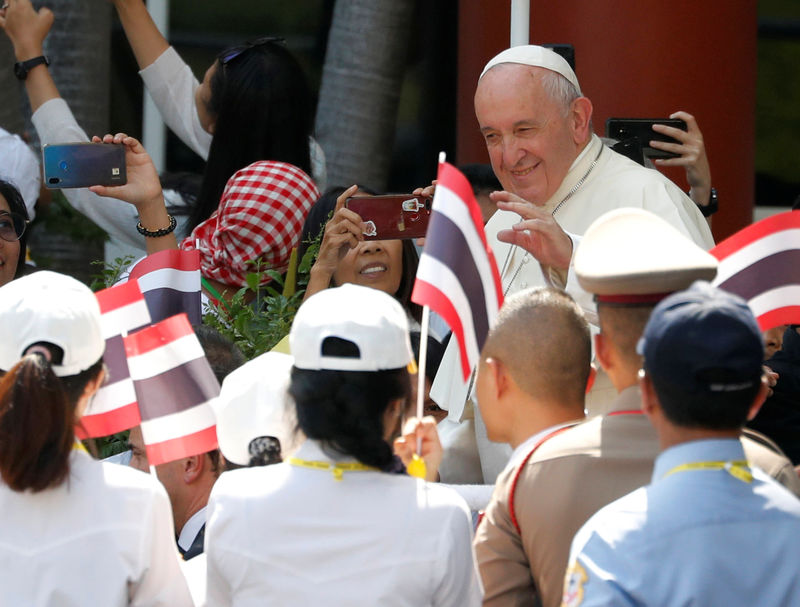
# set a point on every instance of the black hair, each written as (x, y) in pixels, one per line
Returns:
(344, 409)
(433, 357)
(261, 102)
(17, 205)
(725, 410)
(223, 355)
(37, 420)
(481, 177)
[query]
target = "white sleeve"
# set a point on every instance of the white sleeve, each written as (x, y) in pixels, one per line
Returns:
(162, 582)
(459, 581)
(171, 85)
(55, 123)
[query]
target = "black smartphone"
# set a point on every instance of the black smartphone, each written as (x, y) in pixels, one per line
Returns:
(392, 217)
(641, 129)
(79, 165)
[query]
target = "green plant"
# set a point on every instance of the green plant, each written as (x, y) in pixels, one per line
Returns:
(257, 318)
(110, 273)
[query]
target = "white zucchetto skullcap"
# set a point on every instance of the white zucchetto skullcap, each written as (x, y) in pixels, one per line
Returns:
(535, 56)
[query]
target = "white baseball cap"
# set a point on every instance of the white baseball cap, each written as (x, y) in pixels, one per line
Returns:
(53, 308)
(371, 320)
(535, 56)
(254, 402)
(20, 167)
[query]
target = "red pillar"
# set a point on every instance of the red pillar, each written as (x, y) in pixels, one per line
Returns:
(643, 59)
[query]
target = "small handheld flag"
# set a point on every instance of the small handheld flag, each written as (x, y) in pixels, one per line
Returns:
(170, 281)
(114, 407)
(761, 264)
(457, 274)
(175, 387)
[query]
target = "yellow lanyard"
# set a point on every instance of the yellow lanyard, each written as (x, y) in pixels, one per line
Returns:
(78, 446)
(338, 468)
(737, 469)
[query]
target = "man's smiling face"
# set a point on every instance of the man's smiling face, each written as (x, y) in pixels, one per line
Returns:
(528, 134)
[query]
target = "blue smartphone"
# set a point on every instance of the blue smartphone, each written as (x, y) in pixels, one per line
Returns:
(79, 165)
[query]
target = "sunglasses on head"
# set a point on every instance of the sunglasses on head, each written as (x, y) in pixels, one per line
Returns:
(229, 54)
(12, 226)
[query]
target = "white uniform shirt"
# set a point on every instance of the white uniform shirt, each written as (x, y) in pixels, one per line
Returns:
(103, 537)
(290, 535)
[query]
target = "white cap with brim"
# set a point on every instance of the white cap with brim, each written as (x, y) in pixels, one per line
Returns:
(632, 256)
(254, 402)
(52, 308)
(372, 321)
(535, 56)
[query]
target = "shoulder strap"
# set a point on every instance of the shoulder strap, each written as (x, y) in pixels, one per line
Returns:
(521, 466)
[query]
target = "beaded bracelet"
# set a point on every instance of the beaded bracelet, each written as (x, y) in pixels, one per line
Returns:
(157, 233)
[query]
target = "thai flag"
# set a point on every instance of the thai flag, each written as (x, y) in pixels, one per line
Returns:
(170, 281)
(114, 407)
(761, 264)
(175, 387)
(457, 275)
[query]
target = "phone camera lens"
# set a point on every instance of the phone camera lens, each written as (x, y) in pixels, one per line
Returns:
(63, 165)
(54, 180)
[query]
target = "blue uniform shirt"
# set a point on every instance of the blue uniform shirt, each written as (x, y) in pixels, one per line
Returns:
(692, 537)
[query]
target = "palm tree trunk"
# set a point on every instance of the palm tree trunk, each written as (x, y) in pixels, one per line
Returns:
(361, 81)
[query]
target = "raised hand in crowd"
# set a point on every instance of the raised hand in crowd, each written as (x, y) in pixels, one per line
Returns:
(421, 431)
(143, 190)
(691, 156)
(342, 232)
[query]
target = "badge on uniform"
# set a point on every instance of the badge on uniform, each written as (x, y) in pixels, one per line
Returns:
(573, 585)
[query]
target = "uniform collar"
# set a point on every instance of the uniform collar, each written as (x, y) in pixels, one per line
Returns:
(630, 399)
(191, 529)
(717, 449)
(523, 448)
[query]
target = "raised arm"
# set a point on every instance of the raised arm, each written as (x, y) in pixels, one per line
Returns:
(146, 41)
(27, 29)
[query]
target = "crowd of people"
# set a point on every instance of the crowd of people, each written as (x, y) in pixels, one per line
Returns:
(605, 451)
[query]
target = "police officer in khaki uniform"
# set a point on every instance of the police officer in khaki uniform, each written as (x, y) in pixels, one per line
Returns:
(630, 259)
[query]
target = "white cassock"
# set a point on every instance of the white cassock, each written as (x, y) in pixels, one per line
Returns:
(600, 180)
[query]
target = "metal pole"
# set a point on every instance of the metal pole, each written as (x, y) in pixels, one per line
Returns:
(154, 136)
(520, 22)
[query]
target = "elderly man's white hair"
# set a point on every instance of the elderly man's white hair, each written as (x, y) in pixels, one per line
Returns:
(561, 82)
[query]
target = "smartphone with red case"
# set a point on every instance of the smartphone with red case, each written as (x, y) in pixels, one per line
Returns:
(392, 217)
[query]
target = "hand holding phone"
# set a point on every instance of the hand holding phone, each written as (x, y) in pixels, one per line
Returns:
(80, 165)
(641, 129)
(392, 217)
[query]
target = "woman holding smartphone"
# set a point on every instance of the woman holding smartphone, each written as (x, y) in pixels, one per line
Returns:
(73, 530)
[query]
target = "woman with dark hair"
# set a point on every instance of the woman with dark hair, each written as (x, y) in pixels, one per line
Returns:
(345, 257)
(254, 104)
(73, 529)
(339, 522)
(13, 232)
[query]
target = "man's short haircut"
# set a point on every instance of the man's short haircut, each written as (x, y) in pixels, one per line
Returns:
(622, 326)
(542, 338)
(716, 411)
